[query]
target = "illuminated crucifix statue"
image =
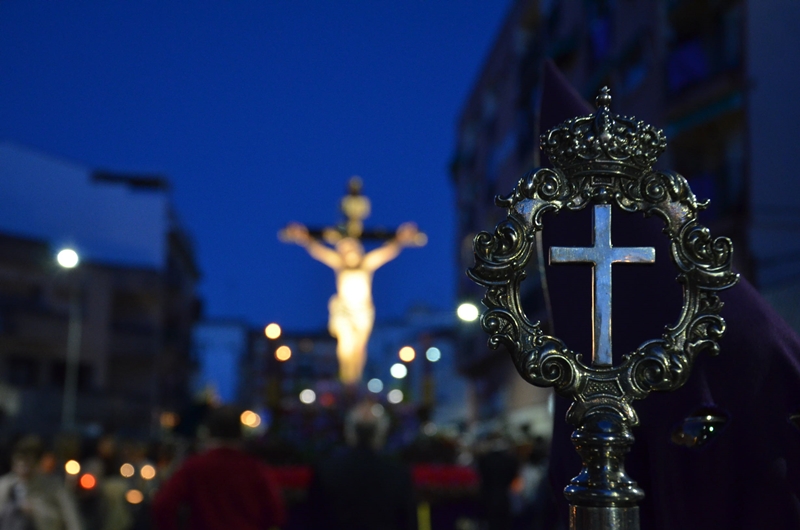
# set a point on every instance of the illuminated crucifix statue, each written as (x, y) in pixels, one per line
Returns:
(602, 255)
(351, 311)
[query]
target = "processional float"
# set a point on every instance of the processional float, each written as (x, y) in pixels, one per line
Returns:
(351, 311)
(603, 161)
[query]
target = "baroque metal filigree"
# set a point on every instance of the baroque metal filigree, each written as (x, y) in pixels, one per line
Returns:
(603, 159)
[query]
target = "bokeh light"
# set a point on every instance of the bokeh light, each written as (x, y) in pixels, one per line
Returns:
(250, 419)
(272, 331)
(395, 396)
(134, 496)
(377, 409)
(308, 396)
(72, 467)
(468, 312)
(283, 353)
(68, 258)
(433, 354)
(148, 472)
(88, 481)
(407, 354)
(327, 399)
(398, 370)
(375, 385)
(127, 470)
(168, 420)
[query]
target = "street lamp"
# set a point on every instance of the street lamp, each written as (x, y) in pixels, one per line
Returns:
(468, 312)
(69, 259)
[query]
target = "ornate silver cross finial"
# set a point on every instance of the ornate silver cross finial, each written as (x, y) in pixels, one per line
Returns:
(602, 255)
(603, 160)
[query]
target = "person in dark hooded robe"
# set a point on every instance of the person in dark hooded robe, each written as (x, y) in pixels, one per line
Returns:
(724, 450)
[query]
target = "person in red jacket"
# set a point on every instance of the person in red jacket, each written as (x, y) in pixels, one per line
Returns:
(221, 488)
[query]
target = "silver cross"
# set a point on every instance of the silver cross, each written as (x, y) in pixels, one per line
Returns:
(602, 255)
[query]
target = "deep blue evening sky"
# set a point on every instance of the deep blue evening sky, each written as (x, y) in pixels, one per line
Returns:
(259, 112)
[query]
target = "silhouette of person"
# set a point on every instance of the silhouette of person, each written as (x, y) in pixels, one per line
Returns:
(30, 499)
(723, 451)
(358, 488)
(351, 311)
(497, 468)
(221, 488)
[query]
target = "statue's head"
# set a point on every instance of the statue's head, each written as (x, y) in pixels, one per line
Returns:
(351, 251)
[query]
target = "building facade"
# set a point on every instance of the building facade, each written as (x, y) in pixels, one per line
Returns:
(132, 298)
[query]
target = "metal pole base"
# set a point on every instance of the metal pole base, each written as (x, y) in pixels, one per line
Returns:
(603, 518)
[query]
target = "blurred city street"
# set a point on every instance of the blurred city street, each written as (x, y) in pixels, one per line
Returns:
(234, 240)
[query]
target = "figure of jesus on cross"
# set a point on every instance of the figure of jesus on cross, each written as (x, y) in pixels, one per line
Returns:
(351, 311)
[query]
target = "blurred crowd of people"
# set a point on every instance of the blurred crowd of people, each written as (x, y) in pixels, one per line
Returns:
(222, 479)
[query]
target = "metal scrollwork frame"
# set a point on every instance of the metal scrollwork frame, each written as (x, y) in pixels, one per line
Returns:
(704, 268)
(603, 158)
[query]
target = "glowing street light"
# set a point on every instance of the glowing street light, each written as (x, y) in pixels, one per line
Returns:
(468, 312)
(272, 331)
(68, 258)
(407, 354)
(398, 370)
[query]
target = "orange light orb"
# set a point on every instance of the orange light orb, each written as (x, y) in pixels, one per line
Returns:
(134, 496)
(283, 353)
(407, 354)
(147, 472)
(87, 481)
(126, 470)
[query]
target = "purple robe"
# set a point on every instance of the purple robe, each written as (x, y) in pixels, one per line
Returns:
(747, 475)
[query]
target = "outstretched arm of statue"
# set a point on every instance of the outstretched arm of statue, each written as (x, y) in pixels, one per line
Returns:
(298, 234)
(407, 235)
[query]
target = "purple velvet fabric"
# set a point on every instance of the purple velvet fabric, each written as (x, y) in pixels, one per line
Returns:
(748, 476)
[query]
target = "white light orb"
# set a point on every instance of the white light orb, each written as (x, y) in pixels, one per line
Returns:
(433, 354)
(395, 396)
(430, 429)
(308, 396)
(468, 312)
(68, 258)
(377, 409)
(375, 385)
(398, 370)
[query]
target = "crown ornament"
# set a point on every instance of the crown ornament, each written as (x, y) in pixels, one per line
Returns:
(604, 143)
